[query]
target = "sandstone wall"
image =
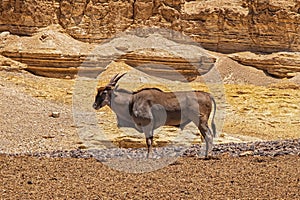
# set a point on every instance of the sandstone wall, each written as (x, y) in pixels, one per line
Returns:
(224, 26)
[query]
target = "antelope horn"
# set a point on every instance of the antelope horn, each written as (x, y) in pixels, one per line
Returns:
(115, 79)
(112, 79)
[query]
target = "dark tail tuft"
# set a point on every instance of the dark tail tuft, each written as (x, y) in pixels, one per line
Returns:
(213, 125)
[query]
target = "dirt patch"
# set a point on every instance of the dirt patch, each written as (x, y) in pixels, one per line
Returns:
(187, 178)
(26, 121)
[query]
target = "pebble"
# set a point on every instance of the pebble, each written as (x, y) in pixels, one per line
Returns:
(55, 114)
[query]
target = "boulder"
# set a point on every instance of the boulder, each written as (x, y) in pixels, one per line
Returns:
(280, 65)
(50, 52)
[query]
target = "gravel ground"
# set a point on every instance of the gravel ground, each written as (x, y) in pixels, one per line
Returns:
(261, 148)
(225, 177)
(27, 124)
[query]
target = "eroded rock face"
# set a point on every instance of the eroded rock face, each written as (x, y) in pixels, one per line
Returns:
(225, 26)
(228, 26)
(52, 53)
(26, 17)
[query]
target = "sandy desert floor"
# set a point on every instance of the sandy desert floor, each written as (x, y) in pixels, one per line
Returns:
(188, 178)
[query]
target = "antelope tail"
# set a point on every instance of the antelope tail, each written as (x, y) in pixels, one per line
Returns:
(213, 125)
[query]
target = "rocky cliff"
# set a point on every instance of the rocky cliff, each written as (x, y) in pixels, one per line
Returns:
(228, 26)
(225, 26)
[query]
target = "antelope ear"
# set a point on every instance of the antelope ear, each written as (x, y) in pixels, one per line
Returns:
(100, 89)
